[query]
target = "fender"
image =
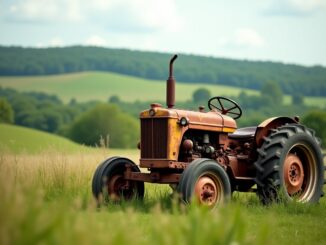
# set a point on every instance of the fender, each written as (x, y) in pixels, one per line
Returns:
(264, 128)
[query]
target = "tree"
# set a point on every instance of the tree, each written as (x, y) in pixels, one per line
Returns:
(272, 92)
(6, 112)
(201, 94)
(297, 99)
(114, 99)
(317, 121)
(102, 121)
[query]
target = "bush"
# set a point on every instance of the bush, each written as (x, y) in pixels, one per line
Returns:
(6, 112)
(107, 122)
(317, 121)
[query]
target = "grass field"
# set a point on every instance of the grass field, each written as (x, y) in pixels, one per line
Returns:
(101, 85)
(46, 199)
(21, 139)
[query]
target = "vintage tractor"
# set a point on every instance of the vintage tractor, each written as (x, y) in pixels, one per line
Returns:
(203, 156)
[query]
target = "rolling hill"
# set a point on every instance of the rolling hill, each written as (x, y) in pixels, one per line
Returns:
(87, 86)
(20, 139)
(293, 79)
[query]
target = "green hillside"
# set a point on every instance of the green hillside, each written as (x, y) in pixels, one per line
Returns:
(20, 139)
(293, 79)
(87, 86)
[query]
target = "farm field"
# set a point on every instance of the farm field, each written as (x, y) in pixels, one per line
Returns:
(46, 199)
(87, 86)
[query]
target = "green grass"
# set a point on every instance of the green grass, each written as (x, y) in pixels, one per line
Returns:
(87, 86)
(46, 199)
(101, 85)
(20, 139)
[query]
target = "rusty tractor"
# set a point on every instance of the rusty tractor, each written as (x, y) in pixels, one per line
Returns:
(205, 157)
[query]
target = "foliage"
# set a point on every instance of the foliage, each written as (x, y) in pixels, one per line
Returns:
(297, 99)
(317, 121)
(192, 69)
(6, 111)
(118, 129)
(272, 92)
(201, 94)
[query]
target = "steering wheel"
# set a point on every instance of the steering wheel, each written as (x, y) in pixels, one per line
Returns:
(225, 106)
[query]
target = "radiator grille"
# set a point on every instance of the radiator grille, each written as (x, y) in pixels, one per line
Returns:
(154, 132)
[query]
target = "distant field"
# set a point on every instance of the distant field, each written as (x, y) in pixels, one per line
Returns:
(101, 85)
(87, 86)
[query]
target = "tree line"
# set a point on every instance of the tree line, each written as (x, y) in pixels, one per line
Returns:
(115, 122)
(293, 79)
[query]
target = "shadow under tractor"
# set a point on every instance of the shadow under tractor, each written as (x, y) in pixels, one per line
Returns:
(204, 156)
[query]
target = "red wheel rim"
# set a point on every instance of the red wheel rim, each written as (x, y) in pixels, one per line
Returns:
(208, 190)
(293, 174)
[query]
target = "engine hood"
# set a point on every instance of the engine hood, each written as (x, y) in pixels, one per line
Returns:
(211, 120)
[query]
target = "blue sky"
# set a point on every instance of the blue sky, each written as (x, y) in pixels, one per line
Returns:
(290, 31)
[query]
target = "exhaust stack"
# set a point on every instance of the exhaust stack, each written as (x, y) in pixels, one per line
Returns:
(170, 85)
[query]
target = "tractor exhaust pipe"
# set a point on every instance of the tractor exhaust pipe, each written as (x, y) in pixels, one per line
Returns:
(170, 85)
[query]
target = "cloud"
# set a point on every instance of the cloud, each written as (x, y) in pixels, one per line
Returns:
(95, 41)
(242, 38)
(56, 42)
(248, 37)
(45, 11)
(294, 7)
(117, 15)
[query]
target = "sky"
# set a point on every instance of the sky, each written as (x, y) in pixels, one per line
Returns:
(289, 31)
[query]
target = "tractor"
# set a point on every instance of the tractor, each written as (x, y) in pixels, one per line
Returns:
(203, 156)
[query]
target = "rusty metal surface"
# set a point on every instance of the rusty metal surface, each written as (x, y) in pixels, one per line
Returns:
(212, 120)
(162, 163)
(293, 173)
(264, 128)
(154, 138)
(154, 177)
(207, 191)
(170, 85)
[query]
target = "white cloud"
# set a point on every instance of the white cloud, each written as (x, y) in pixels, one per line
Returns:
(95, 41)
(113, 14)
(242, 38)
(56, 42)
(248, 37)
(45, 10)
(295, 7)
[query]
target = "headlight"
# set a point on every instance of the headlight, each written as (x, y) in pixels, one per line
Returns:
(183, 121)
(152, 112)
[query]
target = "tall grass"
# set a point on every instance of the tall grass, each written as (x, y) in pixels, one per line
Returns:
(46, 199)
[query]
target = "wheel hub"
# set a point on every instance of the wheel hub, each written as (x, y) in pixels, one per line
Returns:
(118, 187)
(293, 173)
(206, 191)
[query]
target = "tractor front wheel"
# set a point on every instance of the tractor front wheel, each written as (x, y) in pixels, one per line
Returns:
(290, 166)
(205, 181)
(109, 182)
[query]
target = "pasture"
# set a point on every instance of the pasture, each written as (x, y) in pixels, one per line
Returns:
(87, 86)
(46, 199)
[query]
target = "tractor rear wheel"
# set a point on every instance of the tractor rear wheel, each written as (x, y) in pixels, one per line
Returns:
(205, 181)
(109, 183)
(290, 166)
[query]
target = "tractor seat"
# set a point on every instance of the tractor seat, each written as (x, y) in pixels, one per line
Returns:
(243, 133)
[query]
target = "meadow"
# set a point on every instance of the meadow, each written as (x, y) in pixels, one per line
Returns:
(87, 86)
(46, 199)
